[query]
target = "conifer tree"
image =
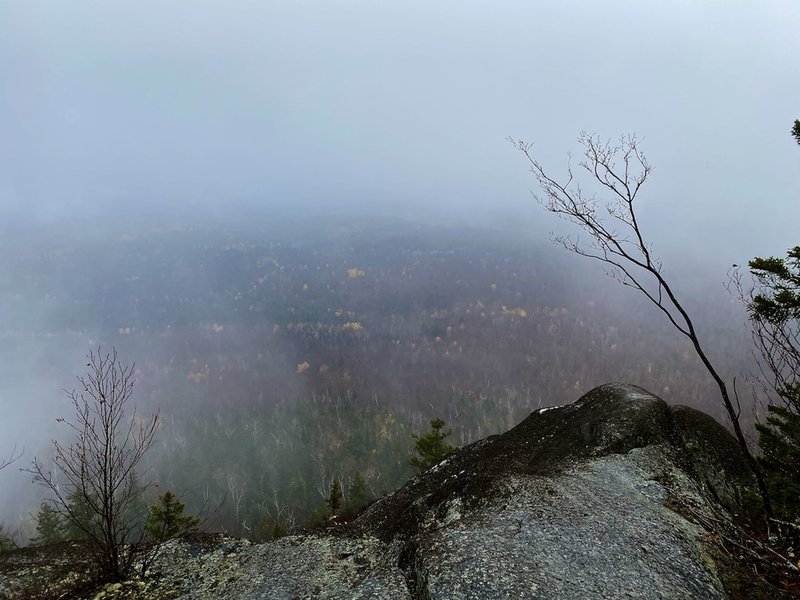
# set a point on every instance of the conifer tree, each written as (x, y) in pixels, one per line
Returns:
(6, 543)
(774, 308)
(279, 531)
(358, 496)
(50, 527)
(431, 448)
(334, 501)
(166, 519)
(80, 521)
(779, 440)
(775, 314)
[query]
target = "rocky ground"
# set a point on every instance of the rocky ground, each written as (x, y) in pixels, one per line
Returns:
(590, 500)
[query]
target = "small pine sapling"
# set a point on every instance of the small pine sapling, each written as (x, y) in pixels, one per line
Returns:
(50, 527)
(166, 519)
(432, 447)
(334, 500)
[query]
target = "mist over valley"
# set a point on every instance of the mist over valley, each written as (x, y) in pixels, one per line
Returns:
(287, 355)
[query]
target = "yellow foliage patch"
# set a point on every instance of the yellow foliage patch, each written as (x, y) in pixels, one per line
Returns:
(200, 376)
(515, 312)
(302, 366)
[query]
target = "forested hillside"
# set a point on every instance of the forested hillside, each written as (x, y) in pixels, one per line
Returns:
(285, 358)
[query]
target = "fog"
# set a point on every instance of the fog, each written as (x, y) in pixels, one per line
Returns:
(139, 107)
(144, 120)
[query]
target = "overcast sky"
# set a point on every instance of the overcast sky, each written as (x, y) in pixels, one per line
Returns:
(399, 106)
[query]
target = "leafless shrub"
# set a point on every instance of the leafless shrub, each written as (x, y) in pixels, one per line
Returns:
(94, 481)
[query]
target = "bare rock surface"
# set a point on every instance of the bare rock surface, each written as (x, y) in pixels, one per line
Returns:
(601, 531)
(588, 501)
(311, 566)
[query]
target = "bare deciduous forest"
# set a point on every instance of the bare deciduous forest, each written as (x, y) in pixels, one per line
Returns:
(285, 358)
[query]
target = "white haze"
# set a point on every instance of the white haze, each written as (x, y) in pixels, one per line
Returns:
(216, 111)
(148, 108)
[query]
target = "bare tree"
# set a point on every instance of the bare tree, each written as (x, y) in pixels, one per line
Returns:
(12, 457)
(94, 480)
(619, 170)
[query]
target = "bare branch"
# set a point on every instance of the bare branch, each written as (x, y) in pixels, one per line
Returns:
(13, 456)
(619, 171)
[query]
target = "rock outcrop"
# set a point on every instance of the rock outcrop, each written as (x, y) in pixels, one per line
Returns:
(589, 500)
